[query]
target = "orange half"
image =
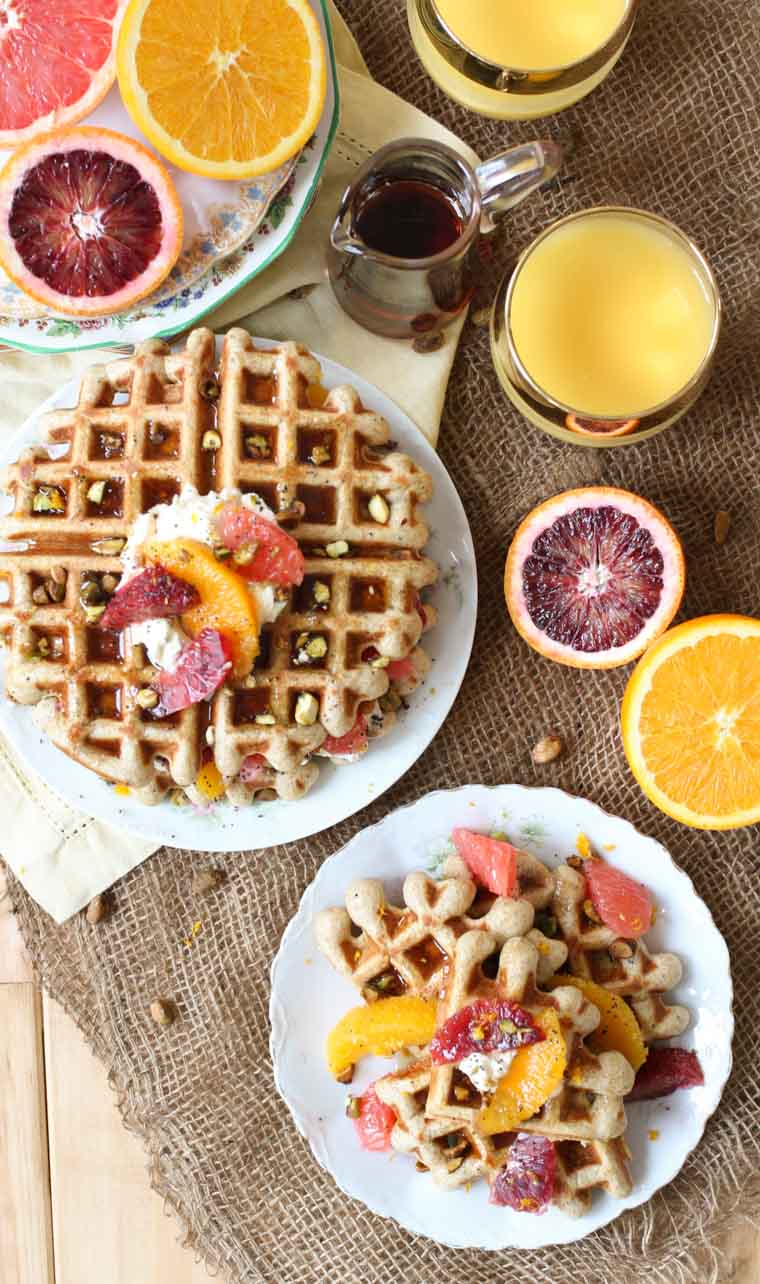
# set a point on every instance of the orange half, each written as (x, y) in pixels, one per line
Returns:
(691, 722)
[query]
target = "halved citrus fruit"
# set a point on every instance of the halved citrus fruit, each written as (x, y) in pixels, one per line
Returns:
(228, 90)
(601, 427)
(593, 576)
(691, 722)
(89, 221)
(56, 63)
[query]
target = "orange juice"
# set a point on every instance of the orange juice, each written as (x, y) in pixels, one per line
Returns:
(532, 35)
(610, 315)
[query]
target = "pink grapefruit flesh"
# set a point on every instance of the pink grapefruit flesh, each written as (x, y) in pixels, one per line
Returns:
(89, 221)
(593, 576)
(56, 63)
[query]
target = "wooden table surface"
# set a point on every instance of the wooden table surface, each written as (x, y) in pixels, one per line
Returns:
(75, 1204)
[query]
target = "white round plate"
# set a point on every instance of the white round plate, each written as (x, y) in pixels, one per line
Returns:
(232, 231)
(340, 790)
(308, 998)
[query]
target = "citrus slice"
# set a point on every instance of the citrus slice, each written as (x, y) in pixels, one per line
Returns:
(536, 1072)
(601, 427)
(89, 221)
(228, 90)
(618, 1029)
(381, 1028)
(593, 576)
(56, 63)
(691, 722)
(225, 605)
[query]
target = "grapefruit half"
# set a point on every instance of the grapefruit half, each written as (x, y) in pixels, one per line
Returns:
(89, 221)
(56, 63)
(593, 576)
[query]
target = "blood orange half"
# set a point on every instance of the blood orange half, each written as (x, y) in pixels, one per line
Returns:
(89, 221)
(56, 63)
(593, 576)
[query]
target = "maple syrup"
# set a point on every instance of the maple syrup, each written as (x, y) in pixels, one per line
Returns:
(408, 219)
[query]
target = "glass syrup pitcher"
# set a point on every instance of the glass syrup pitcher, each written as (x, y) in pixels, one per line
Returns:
(402, 248)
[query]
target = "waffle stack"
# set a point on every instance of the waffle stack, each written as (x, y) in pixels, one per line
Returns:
(452, 942)
(258, 421)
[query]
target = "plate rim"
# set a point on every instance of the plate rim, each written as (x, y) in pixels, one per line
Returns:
(278, 1031)
(115, 815)
(175, 330)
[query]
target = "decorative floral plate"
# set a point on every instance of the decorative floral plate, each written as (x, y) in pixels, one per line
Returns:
(340, 790)
(308, 998)
(232, 232)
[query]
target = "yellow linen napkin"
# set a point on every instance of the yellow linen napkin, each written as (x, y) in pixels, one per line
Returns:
(62, 857)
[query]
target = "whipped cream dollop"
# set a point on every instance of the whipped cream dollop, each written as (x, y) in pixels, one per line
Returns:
(484, 1070)
(188, 516)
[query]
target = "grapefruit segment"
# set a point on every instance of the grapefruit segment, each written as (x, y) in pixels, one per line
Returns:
(593, 576)
(491, 862)
(56, 63)
(691, 722)
(89, 221)
(374, 1121)
(622, 904)
(273, 556)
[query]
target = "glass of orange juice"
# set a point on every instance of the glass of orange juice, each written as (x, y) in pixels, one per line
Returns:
(519, 59)
(606, 331)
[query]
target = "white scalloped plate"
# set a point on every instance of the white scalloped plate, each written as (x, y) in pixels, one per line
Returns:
(340, 790)
(308, 997)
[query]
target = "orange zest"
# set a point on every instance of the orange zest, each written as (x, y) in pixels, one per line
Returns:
(380, 1029)
(536, 1072)
(226, 604)
(691, 722)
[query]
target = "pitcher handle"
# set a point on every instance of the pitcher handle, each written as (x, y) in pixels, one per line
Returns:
(507, 178)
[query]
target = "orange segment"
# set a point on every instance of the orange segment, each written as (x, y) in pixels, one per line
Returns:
(226, 90)
(379, 1029)
(691, 722)
(226, 604)
(618, 1029)
(535, 1073)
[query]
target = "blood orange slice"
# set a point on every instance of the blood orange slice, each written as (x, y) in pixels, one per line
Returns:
(593, 576)
(89, 221)
(56, 63)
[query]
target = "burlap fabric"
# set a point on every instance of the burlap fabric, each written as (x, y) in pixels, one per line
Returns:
(675, 130)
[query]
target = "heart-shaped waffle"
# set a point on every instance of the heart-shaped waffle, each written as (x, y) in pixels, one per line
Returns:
(623, 967)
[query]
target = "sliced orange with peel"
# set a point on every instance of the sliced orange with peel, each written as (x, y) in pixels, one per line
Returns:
(226, 90)
(536, 1072)
(380, 1029)
(226, 604)
(691, 722)
(618, 1029)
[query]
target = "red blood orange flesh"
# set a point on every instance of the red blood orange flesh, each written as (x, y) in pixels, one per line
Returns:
(89, 221)
(526, 1182)
(593, 576)
(56, 63)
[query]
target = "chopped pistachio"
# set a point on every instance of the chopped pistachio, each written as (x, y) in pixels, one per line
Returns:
(338, 548)
(59, 574)
(307, 709)
(380, 662)
(547, 749)
(221, 552)
(265, 719)
(210, 390)
(590, 912)
(40, 595)
(91, 592)
(96, 492)
(211, 440)
(43, 646)
(316, 648)
(546, 923)
(109, 547)
(391, 701)
(110, 442)
(147, 698)
(321, 593)
(621, 950)
(453, 1164)
(245, 554)
(55, 590)
(379, 510)
(109, 582)
(256, 444)
(301, 641)
(163, 1012)
(320, 455)
(353, 1107)
(49, 499)
(93, 613)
